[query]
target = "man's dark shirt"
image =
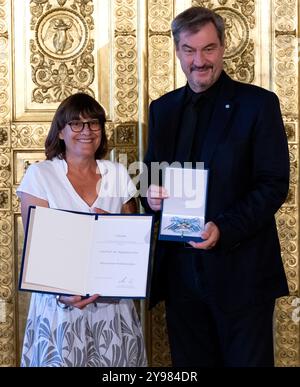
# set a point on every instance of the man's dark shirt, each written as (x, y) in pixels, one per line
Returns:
(196, 115)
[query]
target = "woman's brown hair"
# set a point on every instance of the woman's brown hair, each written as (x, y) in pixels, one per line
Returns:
(72, 108)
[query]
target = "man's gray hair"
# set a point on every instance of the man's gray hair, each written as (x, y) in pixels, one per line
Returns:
(193, 19)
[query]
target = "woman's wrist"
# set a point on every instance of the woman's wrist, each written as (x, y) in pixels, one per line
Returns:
(61, 304)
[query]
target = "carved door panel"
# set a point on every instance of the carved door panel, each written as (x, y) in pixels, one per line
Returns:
(121, 52)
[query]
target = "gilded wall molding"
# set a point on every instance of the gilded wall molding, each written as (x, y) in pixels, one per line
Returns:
(7, 289)
(159, 343)
(4, 63)
(28, 135)
(286, 83)
(61, 49)
(287, 333)
(161, 65)
(285, 47)
(160, 48)
(125, 54)
(240, 22)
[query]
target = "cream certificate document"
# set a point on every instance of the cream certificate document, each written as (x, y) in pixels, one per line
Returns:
(78, 253)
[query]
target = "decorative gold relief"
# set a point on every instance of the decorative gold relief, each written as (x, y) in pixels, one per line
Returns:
(61, 51)
(126, 156)
(22, 160)
(286, 55)
(40, 7)
(15, 203)
(6, 272)
(4, 139)
(242, 67)
(125, 11)
(61, 2)
(286, 62)
(4, 63)
(2, 311)
(287, 333)
(29, 136)
(291, 197)
(126, 60)
(205, 3)
(160, 47)
(161, 78)
(5, 199)
(120, 136)
(126, 134)
(286, 223)
(285, 74)
(126, 78)
(23, 298)
(110, 133)
(7, 348)
(5, 168)
(285, 50)
(294, 160)
(160, 15)
(284, 15)
(291, 131)
(239, 20)
(160, 344)
(237, 31)
(62, 34)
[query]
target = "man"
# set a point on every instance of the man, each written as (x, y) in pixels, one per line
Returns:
(220, 293)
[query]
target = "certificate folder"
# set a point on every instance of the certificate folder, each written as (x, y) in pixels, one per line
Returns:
(183, 212)
(83, 254)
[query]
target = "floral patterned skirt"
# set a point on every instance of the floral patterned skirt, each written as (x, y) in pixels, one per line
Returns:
(101, 335)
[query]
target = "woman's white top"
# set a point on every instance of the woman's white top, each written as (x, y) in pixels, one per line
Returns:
(48, 180)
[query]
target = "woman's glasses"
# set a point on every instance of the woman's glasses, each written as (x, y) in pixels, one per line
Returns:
(77, 126)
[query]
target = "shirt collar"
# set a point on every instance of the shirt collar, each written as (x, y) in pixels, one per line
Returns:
(209, 94)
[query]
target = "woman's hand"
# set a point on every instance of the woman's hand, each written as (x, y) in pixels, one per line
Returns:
(99, 211)
(77, 301)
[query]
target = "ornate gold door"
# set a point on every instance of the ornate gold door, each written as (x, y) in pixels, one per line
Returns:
(121, 51)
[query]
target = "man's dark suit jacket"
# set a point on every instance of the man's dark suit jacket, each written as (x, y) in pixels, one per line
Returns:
(246, 152)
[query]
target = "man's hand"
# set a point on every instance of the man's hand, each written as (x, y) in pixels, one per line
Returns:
(211, 235)
(155, 195)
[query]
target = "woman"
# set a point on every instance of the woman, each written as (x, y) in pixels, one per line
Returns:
(71, 331)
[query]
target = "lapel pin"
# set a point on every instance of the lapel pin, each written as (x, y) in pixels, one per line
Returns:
(227, 106)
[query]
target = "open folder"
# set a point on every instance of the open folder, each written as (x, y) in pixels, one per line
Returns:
(83, 254)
